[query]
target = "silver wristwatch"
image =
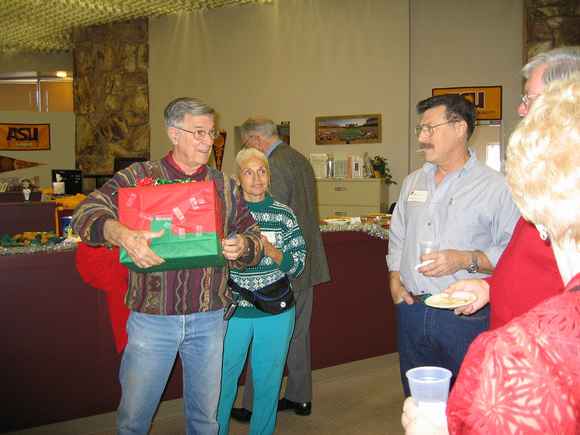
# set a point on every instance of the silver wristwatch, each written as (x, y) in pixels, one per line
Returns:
(474, 267)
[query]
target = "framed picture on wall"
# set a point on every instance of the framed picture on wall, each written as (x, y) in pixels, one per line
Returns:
(348, 129)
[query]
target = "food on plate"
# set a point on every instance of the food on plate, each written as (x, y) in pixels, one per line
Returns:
(338, 220)
(381, 219)
(457, 299)
(447, 302)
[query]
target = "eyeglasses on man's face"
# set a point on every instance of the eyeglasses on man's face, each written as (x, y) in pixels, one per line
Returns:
(429, 130)
(527, 99)
(246, 142)
(200, 134)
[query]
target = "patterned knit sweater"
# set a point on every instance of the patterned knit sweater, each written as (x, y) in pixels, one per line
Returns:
(279, 224)
(173, 292)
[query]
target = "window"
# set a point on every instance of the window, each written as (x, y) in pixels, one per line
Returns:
(37, 95)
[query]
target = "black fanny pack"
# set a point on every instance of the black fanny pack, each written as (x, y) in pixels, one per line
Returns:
(272, 299)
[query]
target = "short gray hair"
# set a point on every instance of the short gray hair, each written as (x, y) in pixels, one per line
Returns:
(176, 110)
(258, 124)
(562, 63)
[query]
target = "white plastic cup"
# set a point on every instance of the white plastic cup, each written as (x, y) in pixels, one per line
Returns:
(427, 247)
(429, 384)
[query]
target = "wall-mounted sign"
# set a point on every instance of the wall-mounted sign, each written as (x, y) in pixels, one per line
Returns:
(24, 137)
(487, 99)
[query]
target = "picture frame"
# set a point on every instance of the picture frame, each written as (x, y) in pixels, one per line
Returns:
(348, 129)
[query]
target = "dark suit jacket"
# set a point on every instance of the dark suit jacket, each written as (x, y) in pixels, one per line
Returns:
(293, 184)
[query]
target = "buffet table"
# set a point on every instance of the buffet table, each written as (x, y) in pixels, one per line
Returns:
(59, 360)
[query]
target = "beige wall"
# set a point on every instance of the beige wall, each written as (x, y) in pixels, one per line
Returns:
(291, 61)
(466, 43)
(294, 60)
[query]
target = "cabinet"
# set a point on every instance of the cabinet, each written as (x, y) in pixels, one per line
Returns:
(351, 196)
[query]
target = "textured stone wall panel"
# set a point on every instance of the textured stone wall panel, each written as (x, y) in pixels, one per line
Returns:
(130, 58)
(83, 61)
(550, 24)
(143, 57)
(141, 142)
(88, 138)
(136, 104)
(83, 86)
(571, 29)
(113, 80)
(111, 94)
(114, 127)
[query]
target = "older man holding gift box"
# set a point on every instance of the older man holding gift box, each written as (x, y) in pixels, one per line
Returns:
(174, 310)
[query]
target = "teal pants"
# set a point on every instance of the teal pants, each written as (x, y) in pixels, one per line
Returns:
(270, 337)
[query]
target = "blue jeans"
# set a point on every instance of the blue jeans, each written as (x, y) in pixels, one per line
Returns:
(149, 357)
(435, 337)
(270, 337)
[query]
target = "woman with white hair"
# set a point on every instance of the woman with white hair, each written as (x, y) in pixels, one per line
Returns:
(525, 376)
(269, 334)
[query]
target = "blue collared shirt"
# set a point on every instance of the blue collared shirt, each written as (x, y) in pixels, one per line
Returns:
(278, 142)
(470, 210)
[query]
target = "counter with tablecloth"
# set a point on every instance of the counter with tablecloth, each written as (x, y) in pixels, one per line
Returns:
(59, 358)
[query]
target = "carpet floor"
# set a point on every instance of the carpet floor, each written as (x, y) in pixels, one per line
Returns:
(363, 397)
(355, 399)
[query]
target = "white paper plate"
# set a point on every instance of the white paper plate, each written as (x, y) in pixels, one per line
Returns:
(455, 300)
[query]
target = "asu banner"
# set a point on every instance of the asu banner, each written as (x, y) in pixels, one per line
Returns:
(10, 164)
(487, 99)
(24, 137)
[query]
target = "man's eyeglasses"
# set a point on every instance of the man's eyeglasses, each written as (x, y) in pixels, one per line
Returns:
(246, 142)
(429, 130)
(526, 98)
(200, 134)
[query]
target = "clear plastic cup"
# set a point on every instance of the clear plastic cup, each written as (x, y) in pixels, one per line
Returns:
(427, 247)
(429, 384)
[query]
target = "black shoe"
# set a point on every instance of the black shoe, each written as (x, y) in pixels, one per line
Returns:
(241, 414)
(304, 408)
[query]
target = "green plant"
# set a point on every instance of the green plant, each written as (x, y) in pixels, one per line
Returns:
(380, 164)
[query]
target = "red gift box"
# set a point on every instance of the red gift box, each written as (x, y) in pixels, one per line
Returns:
(191, 215)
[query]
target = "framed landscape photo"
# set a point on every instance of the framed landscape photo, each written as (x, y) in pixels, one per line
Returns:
(348, 129)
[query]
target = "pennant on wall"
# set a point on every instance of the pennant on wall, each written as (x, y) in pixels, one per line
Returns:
(24, 137)
(218, 148)
(10, 164)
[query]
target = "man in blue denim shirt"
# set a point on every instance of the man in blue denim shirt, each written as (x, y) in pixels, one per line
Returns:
(464, 205)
